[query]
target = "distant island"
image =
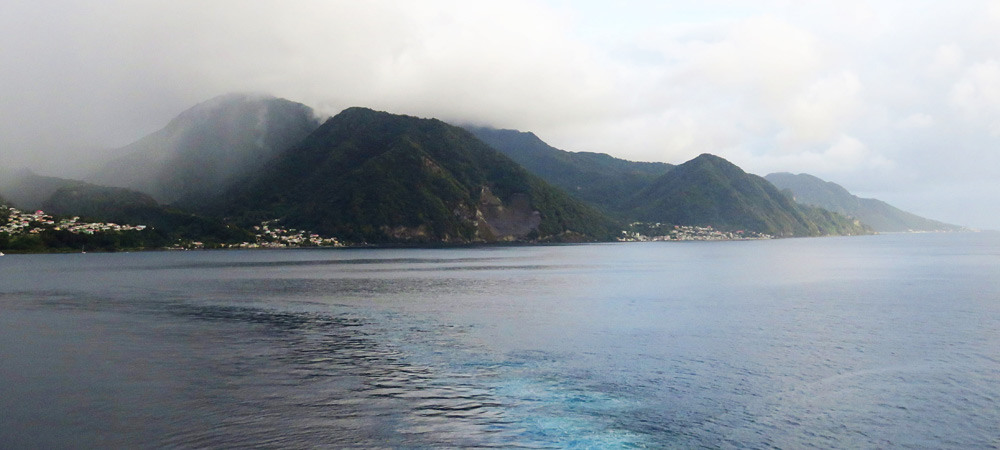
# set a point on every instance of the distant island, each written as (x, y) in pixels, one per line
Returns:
(250, 171)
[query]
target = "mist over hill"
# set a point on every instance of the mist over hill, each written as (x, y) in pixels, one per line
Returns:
(209, 146)
(376, 177)
(28, 190)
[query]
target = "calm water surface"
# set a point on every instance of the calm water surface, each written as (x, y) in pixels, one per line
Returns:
(886, 341)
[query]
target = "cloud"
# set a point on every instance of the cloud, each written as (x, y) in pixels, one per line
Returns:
(822, 110)
(915, 120)
(512, 63)
(977, 95)
(947, 59)
(881, 95)
(846, 154)
(508, 63)
(765, 55)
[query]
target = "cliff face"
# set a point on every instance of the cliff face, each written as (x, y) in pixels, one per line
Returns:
(515, 220)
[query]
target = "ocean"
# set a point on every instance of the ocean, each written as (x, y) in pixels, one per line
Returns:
(887, 341)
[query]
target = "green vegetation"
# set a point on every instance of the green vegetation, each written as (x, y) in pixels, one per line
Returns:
(709, 190)
(123, 206)
(881, 216)
(596, 178)
(22, 232)
(98, 218)
(50, 240)
(368, 176)
(373, 177)
(98, 202)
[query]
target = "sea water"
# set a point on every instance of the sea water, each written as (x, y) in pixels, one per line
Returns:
(889, 341)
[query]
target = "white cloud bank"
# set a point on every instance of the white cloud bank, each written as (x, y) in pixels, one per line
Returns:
(885, 98)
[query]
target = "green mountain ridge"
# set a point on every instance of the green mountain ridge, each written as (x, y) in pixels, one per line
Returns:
(381, 178)
(881, 216)
(708, 190)
(369, 176)
(596, 178)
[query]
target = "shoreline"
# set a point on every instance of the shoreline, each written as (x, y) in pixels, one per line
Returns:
(443, 245)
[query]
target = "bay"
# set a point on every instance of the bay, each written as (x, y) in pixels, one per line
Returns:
(885, 341)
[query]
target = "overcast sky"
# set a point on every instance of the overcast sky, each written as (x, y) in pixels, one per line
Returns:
(894, 100)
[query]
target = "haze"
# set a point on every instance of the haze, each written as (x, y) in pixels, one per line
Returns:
(895, 100)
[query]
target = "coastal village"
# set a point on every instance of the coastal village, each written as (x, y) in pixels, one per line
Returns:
(19, 222)
(268, 234)
(660, 232)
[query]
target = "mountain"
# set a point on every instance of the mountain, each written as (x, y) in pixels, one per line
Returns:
(596, 178)
(206, 148)
(709, 190)
(27, 190)
(879, 215)
(369, 176)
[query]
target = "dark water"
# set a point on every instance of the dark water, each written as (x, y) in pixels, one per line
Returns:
(871, 342)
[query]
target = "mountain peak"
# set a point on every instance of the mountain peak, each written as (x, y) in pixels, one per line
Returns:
(372, 176)
(208, 146)
(710, 160)
(359, 111)
(709, 190)
(708, 157)
(596, 178)
(363, 113)
(218, 104)
(712, 165)
(234, 97)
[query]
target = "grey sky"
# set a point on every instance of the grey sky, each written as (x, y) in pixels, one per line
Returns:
(895, 100)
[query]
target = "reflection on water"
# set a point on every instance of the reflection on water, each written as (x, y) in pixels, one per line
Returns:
(886, 341)
(327, 381)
